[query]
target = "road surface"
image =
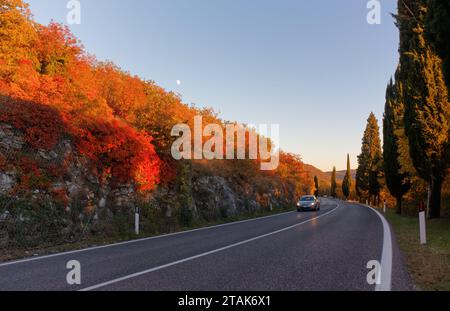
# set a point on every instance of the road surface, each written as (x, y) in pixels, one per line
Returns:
(325, 250)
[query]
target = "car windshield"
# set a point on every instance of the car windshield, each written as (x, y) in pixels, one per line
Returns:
(307, 199)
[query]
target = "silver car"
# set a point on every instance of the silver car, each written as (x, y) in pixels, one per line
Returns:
(308, 203)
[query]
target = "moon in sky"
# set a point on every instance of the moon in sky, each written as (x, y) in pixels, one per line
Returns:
(178, 82)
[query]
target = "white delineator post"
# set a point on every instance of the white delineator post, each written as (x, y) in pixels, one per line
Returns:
(136, 221)
(423, 228)
(422, 224)
(384, 207)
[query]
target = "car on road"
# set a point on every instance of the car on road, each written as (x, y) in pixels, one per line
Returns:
(308, 203)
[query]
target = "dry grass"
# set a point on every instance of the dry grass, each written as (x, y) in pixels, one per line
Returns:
(429, 264)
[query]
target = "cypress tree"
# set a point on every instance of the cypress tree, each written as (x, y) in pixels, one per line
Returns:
(362, 173)
(437, 27)
(369, 170)
(427, 110)
(347, 183)
(333, 183)
(395, 161)
(316, 185)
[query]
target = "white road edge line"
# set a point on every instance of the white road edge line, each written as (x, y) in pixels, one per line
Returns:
(386, 255)
(203, 254)
(137, 240)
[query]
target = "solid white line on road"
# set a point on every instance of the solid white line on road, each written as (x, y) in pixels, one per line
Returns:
(203, 254)
(137, 240)
(386, 255)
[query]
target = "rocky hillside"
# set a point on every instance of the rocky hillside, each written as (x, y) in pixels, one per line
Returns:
(83, 144)
(54, 192)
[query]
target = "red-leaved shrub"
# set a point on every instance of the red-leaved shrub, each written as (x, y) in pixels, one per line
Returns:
(118, 149)
(42, 125)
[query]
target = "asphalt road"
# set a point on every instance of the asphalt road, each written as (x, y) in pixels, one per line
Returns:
(325, 250)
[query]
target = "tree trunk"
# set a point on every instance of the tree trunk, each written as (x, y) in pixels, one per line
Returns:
(399, 205)
(435, 197)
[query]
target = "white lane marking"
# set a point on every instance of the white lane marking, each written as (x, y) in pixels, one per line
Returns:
(138, 240)
(386, 255)
(204, 254)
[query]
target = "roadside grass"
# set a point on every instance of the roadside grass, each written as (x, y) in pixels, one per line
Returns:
(429, 265)
(100, 240)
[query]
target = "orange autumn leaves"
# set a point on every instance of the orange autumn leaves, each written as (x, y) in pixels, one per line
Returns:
(51, 88)
(121, 122)
(118, 152)
(42, 126)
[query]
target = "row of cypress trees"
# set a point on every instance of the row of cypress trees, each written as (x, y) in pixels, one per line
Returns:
(346, 183)
(416, 125)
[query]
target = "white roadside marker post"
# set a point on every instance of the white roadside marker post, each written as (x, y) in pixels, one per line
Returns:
(422, 225)
(384, 207)
(136, 221)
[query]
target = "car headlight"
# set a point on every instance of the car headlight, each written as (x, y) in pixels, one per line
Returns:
(298, 203)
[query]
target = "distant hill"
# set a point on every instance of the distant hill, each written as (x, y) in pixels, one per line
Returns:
(325, 177)
(341, 174)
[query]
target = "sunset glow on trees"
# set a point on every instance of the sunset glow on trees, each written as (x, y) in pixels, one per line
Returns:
(119, 121)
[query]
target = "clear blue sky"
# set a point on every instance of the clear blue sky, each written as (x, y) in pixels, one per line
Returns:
(316, 67)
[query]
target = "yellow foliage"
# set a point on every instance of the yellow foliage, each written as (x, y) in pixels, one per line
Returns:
(17, 33)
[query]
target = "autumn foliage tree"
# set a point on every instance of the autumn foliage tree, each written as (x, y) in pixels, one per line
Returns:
(17, 33)
(120, 152)
(120, 122)
(58, 89)
(42, 125)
